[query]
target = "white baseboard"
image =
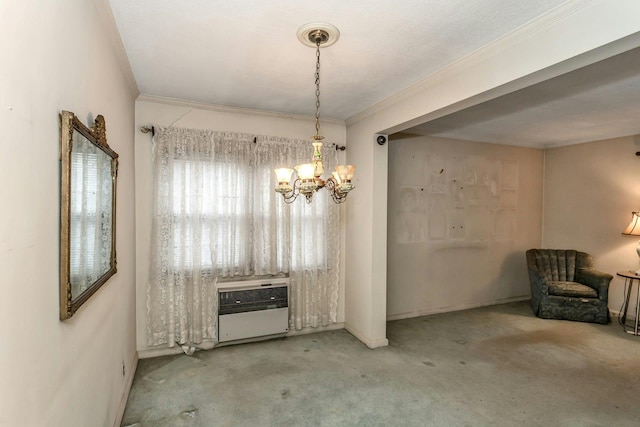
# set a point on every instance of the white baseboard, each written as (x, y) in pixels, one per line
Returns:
(127, 388)
(305, 331)
(371, 343)
(438, 310)
(170, 351)
(631, 316)
(158, 352)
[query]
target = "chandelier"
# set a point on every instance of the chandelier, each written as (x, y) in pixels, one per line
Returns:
(309, 175)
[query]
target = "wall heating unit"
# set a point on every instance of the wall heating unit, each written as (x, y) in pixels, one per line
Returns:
(253, 309)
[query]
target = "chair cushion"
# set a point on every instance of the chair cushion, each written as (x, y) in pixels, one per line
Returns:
(571, 289)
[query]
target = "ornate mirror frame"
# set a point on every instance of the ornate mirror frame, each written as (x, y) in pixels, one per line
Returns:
(87, 211)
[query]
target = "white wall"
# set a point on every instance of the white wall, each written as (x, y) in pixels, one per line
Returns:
(589, 193)
(461, 216)
(166, 112)
(574, 35)
(60, 55)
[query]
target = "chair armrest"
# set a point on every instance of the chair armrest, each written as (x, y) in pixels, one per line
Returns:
(595, 279)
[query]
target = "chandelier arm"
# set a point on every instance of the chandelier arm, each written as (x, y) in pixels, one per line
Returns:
(332, 186)
(293, 194)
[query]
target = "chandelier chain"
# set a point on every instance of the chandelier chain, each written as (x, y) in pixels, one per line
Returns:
(317, 86)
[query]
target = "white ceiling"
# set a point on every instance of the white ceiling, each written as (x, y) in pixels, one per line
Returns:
(245, 53)
(600, 101)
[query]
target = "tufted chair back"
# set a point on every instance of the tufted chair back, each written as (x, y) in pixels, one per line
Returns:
(559, 265)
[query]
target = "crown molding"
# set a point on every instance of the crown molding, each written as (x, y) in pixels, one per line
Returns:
(231, 110)
(509, 39)
(109, 23)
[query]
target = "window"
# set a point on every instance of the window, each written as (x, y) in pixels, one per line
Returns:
(222, 226)
(211, 214)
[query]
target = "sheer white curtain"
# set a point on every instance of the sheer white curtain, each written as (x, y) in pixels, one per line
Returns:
(310, 231)
(216, 214)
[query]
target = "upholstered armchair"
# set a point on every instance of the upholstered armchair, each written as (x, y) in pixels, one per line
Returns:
(565, 285)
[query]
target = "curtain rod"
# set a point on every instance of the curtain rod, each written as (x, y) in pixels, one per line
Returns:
(152, 129)
(147, 129)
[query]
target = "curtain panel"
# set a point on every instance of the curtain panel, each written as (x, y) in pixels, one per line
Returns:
(216, 214)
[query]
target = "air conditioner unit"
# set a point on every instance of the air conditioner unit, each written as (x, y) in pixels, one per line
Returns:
(253, 309)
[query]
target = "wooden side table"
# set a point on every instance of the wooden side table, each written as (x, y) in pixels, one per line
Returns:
(630, 278)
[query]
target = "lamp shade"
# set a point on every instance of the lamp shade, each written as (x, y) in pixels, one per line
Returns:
(345, 172)
(284, 174)
(305, 171)
(633, 229)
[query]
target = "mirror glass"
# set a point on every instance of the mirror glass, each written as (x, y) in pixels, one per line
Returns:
(89, 169)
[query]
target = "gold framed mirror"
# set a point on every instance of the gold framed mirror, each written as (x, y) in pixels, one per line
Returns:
(87, 211)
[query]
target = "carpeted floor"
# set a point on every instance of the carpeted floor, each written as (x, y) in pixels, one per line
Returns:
(492, 366)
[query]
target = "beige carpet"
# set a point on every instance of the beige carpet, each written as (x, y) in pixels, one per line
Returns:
(493, 366)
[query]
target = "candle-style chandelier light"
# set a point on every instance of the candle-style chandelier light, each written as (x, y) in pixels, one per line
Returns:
(309, 175)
